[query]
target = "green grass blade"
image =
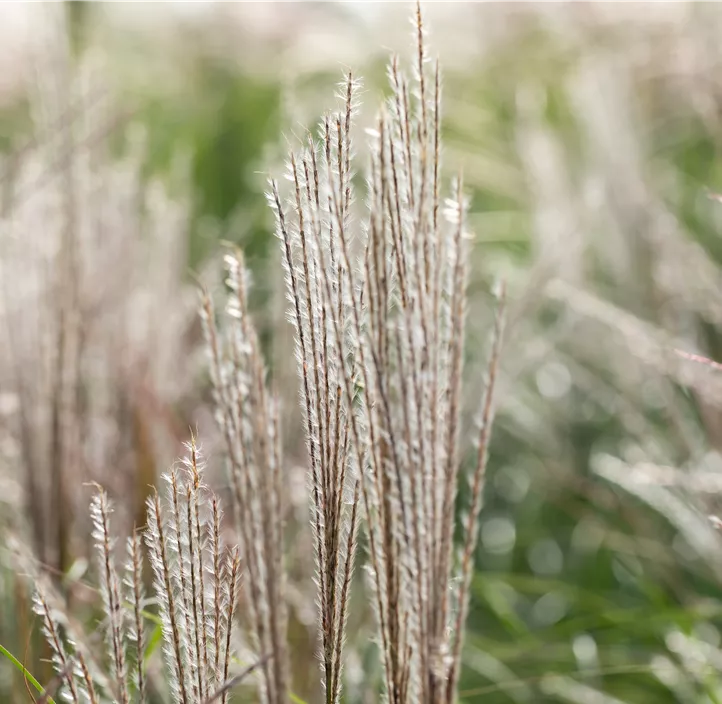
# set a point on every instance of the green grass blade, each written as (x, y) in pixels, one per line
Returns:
(28, 676)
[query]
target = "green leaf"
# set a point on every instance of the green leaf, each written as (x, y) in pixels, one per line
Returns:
(156, 636)
(26, 673)
(150, 616)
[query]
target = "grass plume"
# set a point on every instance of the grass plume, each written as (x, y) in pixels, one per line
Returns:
(378, 308)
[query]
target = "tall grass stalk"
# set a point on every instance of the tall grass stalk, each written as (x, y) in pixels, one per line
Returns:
(248, 416)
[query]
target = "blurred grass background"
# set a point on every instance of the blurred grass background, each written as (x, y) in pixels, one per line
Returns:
(589, 139)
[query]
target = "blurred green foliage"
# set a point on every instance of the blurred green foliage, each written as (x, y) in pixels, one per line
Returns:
(224, 122)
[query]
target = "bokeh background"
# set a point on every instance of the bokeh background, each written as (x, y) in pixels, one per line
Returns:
(135, 140)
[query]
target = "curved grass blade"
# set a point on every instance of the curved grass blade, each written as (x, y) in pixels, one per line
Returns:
(26, 673)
